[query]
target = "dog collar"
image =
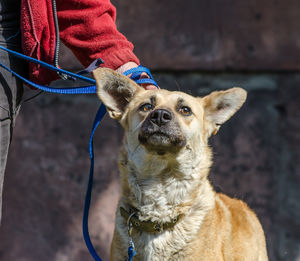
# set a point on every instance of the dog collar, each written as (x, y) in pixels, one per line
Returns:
(146, 226)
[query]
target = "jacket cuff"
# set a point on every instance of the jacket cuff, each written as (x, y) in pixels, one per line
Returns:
(114, 60)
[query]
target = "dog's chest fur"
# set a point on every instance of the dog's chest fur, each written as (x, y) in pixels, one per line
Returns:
(162, 198)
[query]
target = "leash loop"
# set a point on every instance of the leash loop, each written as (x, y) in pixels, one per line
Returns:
(136, 74)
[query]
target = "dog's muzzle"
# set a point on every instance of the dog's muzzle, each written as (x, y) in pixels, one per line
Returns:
(161, 133)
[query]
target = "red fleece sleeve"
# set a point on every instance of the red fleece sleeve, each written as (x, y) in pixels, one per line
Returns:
(88, 28)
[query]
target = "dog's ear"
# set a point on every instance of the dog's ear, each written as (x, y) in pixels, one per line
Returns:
(219, 106)
(114, 90)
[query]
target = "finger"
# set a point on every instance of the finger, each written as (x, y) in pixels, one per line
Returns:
(149, 87)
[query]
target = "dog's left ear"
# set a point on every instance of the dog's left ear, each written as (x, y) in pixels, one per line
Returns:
(219, 106)
(114, 90)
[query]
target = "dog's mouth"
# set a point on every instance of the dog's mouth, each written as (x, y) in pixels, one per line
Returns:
(161, 133)
(161, 141)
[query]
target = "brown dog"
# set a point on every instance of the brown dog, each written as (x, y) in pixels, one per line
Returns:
(164, 163)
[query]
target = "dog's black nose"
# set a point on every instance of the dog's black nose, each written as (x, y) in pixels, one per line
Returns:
(160, 117)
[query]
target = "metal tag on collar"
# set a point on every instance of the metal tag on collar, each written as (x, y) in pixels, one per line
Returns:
(129, 224)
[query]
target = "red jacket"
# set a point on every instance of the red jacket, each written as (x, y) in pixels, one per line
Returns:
(87, 27)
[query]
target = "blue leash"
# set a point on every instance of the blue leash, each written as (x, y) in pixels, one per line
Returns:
(135, 75)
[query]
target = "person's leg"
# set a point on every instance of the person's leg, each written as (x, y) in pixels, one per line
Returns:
(10, 97)
(11, 89)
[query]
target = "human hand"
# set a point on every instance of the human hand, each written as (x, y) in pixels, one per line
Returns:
(131, 65)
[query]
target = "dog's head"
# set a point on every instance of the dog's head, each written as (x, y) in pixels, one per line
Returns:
(164, 122)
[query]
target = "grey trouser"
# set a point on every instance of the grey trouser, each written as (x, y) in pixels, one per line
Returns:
(11, 89)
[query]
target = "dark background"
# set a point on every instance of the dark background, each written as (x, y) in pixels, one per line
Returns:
(195, 46)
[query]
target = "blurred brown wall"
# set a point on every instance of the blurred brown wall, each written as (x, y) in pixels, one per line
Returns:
(196, 46)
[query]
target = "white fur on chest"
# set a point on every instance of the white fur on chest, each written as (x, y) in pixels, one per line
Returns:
(160, 186)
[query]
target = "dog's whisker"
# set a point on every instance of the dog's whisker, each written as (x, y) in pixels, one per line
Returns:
(137, 127)
(131, 153)
(177, 85)
(136, 148)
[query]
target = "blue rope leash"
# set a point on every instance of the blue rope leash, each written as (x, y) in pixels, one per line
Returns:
(85, 221)
(91, 89)
(76, 90)
(131, 253)
(48, 66)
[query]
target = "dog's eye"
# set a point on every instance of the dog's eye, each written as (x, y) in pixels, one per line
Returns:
(146, 107)
(185, 111)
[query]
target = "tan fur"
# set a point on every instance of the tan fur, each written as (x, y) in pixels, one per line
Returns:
(165, 182)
